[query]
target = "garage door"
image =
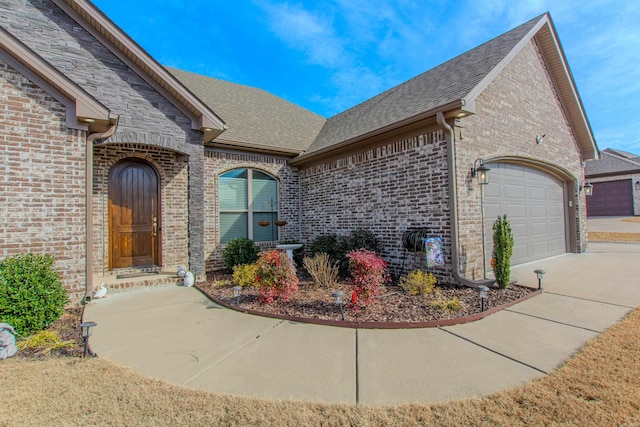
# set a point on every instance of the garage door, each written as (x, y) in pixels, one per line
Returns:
(611, 198)
(534, 203)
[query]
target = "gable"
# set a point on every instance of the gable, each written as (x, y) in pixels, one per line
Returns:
(82, 110)
(83, 44)
(452, 89)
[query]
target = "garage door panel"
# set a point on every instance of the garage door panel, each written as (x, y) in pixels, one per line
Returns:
(515, 212)
(538, 229)
(537, 193)
(611, 198)
(534, 204)
(515, 172)
(515, 191)
(555, 196)
(538, 211)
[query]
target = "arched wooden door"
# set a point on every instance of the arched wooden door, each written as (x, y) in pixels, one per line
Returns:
(134, 215)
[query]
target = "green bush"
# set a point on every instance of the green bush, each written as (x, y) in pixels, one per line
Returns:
(363, 239)
(240, 251)
(245, 274)
(502, 251)
(31, 293)
(337, 247)
(417, 282)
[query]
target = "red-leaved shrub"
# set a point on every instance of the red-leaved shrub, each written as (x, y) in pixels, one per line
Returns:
(276, 276)
(368, 273)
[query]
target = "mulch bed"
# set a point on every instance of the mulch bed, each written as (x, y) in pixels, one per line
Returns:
(68, 329)
(394, 305)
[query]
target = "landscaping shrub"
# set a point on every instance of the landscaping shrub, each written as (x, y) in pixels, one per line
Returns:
(502, 251)
(31, 293)
(368, 273)
(417, 282)
(276, 276)
(240, 251)
(45, 341)
(450, 306)
(337, 247)
(322, 269)
(245, 274)
(363, 239)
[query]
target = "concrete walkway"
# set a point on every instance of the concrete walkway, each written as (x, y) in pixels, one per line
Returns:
(177, 335)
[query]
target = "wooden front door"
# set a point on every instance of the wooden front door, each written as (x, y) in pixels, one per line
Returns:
(134, 215)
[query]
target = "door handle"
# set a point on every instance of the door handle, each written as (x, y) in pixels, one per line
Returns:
(155, 226)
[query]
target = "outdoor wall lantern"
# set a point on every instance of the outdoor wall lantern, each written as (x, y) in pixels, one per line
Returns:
(236, 293)
(588, 188)
(480, 171)
(483, 291)
(338, 296)
(86, 333)
(539, 272)
(637, 185)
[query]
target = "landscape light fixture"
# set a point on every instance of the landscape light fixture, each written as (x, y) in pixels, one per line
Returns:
(338, 296)
(480, 171)
(588, 189)
(539, 272)
(236, 293)
(86, 333)
(483, 291)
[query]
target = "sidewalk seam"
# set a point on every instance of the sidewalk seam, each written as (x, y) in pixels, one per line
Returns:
(493, 351)
(590, 300)
(231, 353)
(553, 321)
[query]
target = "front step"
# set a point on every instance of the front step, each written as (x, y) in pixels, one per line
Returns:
(125, 282)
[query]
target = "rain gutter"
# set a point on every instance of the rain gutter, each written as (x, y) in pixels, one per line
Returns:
(453, 207)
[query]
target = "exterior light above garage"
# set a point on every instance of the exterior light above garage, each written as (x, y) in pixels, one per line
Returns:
(480, 171)
(588, 189)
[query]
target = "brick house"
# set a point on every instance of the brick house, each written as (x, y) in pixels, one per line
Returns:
(121, 167)
(616, 184)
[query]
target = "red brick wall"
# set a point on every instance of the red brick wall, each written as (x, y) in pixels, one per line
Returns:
(42, 182)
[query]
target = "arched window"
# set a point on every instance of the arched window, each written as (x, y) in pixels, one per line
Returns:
(248, 196)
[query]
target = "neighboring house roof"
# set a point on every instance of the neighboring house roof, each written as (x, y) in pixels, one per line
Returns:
(453, 88)
(611, 165)
(623, 154)
(256, 118)
(102, 28)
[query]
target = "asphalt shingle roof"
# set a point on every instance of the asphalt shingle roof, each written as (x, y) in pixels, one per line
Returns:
(610, 164)
(255, 117)
(446, 83)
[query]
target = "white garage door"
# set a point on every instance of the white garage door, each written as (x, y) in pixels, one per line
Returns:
(534, 204)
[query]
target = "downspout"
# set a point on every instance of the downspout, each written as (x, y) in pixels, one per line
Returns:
(88, 292)
(453, 207)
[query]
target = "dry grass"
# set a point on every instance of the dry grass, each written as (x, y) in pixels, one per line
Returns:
(609, 236)
(597, 387)
(632, 219)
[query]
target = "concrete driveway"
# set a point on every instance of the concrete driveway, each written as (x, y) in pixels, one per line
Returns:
(177, 335)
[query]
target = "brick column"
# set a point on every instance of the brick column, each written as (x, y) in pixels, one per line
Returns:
(196, 213)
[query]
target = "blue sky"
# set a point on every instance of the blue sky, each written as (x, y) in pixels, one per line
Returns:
(328, 55)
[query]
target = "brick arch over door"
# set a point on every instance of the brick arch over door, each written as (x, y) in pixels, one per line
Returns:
(134, 215)
(534, 202)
